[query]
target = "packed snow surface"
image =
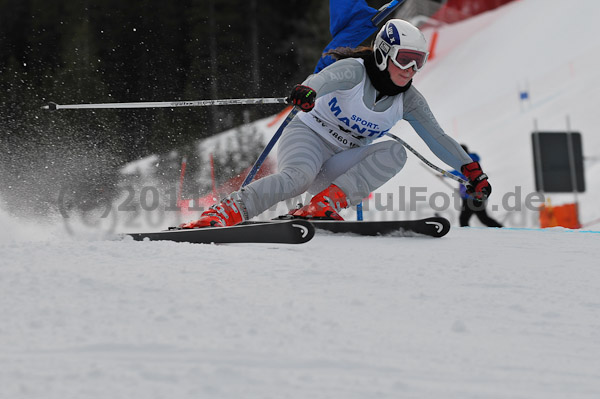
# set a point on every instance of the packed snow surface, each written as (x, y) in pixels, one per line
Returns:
(480, 313)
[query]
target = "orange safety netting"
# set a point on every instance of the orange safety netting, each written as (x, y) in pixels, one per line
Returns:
(563, 215)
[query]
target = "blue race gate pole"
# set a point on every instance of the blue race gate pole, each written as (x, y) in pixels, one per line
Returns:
(269, 147)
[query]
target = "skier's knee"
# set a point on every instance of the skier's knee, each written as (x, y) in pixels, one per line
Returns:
(296, 181)
(398, 154)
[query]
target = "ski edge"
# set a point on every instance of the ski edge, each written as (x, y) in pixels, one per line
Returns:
(438, 226)
(284, 232)
(435, 227)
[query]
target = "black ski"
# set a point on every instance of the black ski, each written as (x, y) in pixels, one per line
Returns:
(433, 226)
(295, 231)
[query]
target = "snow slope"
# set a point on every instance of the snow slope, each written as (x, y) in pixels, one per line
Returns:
(480, 313)
(394, 317)
(547, 47)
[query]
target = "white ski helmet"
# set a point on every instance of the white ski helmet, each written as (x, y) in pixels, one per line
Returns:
(403, 43)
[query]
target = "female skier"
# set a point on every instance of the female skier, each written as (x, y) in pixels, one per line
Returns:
(328, 149)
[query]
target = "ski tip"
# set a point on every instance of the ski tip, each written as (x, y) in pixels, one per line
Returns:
(438, 226)
(305, 229)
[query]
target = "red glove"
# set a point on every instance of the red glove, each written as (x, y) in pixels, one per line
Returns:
(303, 97)
(478, 186)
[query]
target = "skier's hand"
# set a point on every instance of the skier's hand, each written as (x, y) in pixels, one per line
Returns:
(478, 187)
(303, 97)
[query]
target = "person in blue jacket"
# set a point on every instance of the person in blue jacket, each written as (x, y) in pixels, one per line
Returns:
(470, 205)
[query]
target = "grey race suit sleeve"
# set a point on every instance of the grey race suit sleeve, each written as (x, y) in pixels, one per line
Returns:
(308, 162)
(420, 117)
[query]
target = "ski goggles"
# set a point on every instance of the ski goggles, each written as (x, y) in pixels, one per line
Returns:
(404, 58)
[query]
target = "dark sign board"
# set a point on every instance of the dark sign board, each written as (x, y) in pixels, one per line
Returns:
(558, 162)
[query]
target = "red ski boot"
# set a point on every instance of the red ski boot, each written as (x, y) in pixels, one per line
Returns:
(324, 205)
(227, 213)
